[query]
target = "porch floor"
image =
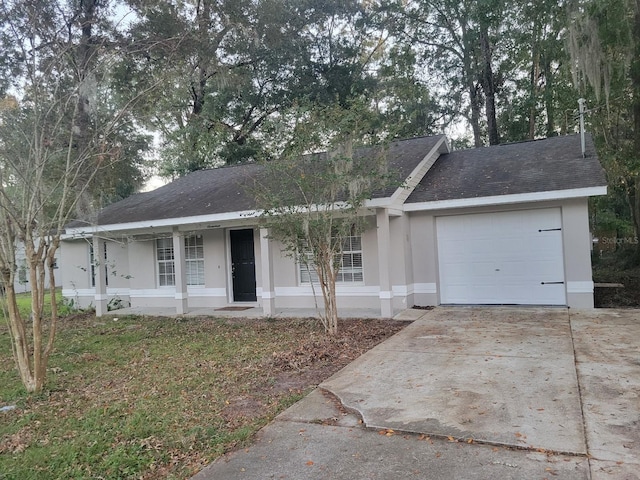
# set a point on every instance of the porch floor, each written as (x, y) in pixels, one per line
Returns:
(252, 312)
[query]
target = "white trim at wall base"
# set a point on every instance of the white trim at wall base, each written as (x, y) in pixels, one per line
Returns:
(359, 291)
(401, 290)
(505, 199)
(430, 288)
(341, 291)
(301, 291)
(78, 292)
(206, 292)
(580, 287)
(153, 293)
(91, 292)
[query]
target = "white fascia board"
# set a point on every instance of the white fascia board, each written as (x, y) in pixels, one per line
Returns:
(402, 192)
(505, 199)
(168, 222)
(73, 233)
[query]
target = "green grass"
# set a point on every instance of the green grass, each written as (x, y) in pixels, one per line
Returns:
(143, 397)
(24, 304)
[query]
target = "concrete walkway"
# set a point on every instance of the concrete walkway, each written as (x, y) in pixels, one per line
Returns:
(522, 393)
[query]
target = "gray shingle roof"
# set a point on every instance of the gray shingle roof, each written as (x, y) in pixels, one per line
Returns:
(536, 166)
(541, 165)
(223, 190)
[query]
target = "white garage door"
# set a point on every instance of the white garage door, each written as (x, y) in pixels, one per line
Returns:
(502, 258)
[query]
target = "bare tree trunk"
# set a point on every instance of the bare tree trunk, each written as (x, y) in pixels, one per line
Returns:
(330, 306)
(488, 85)
(85, 61)
(475, 114)
(18, 330)
(548, 98)
(324, 266)
(474, 100)
(533, 83)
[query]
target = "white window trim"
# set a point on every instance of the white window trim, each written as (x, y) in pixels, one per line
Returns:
(173, 261)
(158, 262)
(312, 273)
(198, 260)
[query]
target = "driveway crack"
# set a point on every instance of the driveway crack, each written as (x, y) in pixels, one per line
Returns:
(578, 383)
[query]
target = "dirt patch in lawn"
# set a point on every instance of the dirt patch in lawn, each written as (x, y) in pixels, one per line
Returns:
(314, 359)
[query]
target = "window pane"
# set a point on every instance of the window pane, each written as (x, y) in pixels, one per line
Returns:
(166, 267)
(351, 268)
(194, 255)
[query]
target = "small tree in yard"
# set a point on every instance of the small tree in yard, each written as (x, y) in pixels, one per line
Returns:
(56, 134)
(312, 203)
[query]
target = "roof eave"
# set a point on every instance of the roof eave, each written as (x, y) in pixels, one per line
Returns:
(506, 199)
(160, 223)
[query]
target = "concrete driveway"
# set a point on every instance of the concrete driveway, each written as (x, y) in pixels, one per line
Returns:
(469, 393)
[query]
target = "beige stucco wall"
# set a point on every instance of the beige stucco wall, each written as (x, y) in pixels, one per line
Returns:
(401, 262)
(76, 280)
(118, 265)
(74, 255)
(215, 262)
(424, 258)
(577, 253)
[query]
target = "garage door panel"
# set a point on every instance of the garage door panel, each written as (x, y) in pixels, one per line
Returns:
(501, 258)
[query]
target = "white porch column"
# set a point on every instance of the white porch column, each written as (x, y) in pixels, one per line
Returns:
(384, 265)
(100, 273)
(182, 298)
(268, 289)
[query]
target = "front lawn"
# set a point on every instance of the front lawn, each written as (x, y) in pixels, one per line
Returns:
(159, 398)
(24, 304)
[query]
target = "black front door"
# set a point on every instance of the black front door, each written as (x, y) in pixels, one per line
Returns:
(243, 267)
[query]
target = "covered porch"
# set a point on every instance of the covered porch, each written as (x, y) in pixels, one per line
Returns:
(275, 291)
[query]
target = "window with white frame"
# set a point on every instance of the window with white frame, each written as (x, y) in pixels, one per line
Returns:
(351, 261)
(166, 265)
(92, 262)
(351, 269)
(194, 259)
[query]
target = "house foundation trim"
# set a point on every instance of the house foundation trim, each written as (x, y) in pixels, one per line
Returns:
(580, 287)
